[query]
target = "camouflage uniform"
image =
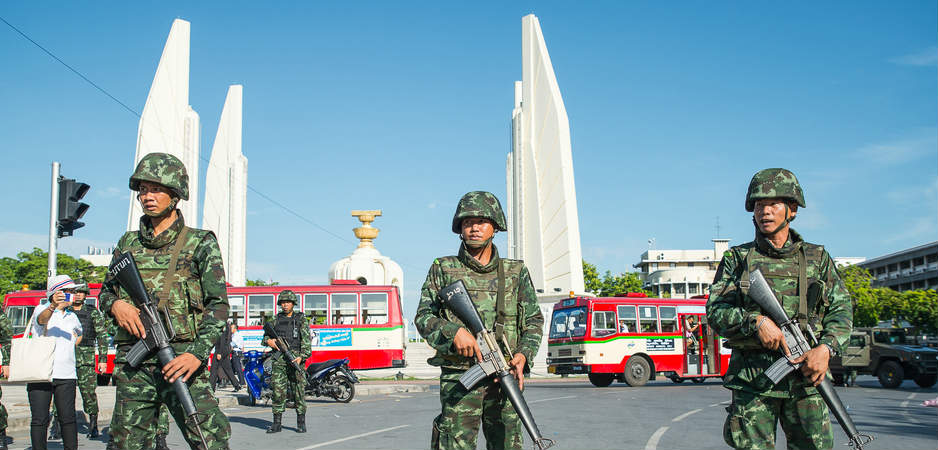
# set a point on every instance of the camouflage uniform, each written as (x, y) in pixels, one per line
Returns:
(457, 425)
(6, 338)
(194, 294)
(294, 330)
(805, 280)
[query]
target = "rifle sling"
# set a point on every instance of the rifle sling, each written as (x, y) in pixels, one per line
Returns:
(500, 304)
(171, 273)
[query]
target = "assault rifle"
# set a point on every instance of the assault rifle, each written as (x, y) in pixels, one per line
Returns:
(456, 298)
(797, 344)
(282, 347)
(124, 269)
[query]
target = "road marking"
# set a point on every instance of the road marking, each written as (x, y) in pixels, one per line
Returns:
(911, 396)
(905, 404)
(718, 404)
(684, 416)
(652, 443)
(323, 444)
(549, 399)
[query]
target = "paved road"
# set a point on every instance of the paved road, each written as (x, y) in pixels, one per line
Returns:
(661, 415)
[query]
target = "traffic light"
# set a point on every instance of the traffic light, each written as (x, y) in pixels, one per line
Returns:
(70, 208)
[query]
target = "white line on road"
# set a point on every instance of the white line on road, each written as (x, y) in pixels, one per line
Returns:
(718, 404)
(684, 416)
(911, 396)
(905, 404)
(652, 443)
(549, 399)
(323, 444)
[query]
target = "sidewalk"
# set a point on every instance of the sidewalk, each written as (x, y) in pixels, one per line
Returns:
(17, 404)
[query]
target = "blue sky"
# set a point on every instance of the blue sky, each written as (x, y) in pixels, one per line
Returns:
(405, 106)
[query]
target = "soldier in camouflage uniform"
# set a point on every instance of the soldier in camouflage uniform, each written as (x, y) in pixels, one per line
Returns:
(805, 280)
(293, 327)
(183, 268)
(504, 295)
(6, 337)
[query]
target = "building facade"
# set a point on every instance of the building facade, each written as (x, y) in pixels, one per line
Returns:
(911, 269)
(681, 273)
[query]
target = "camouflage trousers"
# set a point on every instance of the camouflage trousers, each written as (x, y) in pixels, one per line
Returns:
(753, 418)
(162, 423)
(457, 426)
(87, 378)
(285, 381)
(140, 394)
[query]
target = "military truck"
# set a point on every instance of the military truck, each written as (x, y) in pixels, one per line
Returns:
(890, 354)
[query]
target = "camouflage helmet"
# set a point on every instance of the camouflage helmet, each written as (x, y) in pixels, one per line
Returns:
(774, 183)
(286, 295)
(163, 169)
(82, 287)
(479, 204)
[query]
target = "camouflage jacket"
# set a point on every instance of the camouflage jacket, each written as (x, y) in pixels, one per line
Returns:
(6, 338)
(306, 346)
(197, 298)
(523, 323)
(100, 327)
(733, 314)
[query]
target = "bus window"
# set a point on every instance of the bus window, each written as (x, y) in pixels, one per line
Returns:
(344, 309)
(668, 319)
(374, 308)
(627, 319)
(258, 304)
(93, 301)
(236, 306)
(19, 316)
(314, 306)
(604, 323)
(648, 319)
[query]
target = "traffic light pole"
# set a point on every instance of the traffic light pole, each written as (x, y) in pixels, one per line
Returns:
(54, 219)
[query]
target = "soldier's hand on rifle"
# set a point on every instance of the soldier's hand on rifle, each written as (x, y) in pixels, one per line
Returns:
(181, 366)
(517, 368)
(128, 318)
(102, 367)
(297, 359)
(466, 344)
(273, 344)
(815, 363)
(771, 336)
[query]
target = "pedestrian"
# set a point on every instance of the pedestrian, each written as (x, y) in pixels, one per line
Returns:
(54, 319)
(221, 364)
(504, 295)
(183, 267)
(237, 353)
(804, 279)
(6, 338)
(293, 328)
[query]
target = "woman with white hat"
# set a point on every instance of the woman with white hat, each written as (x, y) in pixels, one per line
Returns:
(53, 319)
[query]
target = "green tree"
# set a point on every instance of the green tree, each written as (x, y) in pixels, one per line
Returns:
(875, 305)
(611, 284)
(31, 268)
(591, 279)
(260, 282)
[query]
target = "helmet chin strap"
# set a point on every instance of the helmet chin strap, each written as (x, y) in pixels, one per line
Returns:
(163, 213)
(788, 219)
(476, 244)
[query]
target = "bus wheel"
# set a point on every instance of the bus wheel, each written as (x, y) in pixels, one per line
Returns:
(677, 379)
(601, 379)
(637, 371)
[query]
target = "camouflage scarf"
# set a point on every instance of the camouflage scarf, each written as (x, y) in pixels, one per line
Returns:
(163, 239)
(466, 258)
(791, 245)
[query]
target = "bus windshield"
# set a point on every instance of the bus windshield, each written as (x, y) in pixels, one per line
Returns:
(568, 323)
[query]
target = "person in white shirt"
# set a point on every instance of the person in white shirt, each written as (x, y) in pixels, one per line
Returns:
(52, 319)
(237, 352)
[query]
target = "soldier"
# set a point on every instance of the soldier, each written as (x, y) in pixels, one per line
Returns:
(183, 267)
(505, 298)
(805, 280)
(293, 328)
(94, 331)
(6, 338)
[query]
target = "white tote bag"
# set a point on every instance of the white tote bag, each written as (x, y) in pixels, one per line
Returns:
(31, 358)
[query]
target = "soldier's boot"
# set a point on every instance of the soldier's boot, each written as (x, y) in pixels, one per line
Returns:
(301, 423)
(3, 440)
(161, 442)
(54, 433)
(275, 427)
(93, 426)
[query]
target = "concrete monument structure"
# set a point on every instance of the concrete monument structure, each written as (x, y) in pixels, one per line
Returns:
(543, 224)
(168, 124)
(366, 264)
(226, 185)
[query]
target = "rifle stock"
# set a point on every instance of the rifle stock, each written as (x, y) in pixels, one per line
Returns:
(456, 298)
(798, 345)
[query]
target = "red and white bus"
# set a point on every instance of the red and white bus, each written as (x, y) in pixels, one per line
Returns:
(633, 338)
(347, 320)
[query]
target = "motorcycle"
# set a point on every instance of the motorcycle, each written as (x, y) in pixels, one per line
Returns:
(330, 378)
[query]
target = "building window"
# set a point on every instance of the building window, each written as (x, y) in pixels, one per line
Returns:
(690, 264)
(315, 307)
(672, 265)
(692, 288)
(679, 289)
(654, 266)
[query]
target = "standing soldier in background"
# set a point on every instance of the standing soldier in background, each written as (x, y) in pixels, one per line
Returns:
(6, 338)
(183, 267)
(804, 279)
(293, 328)
(504, 295)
